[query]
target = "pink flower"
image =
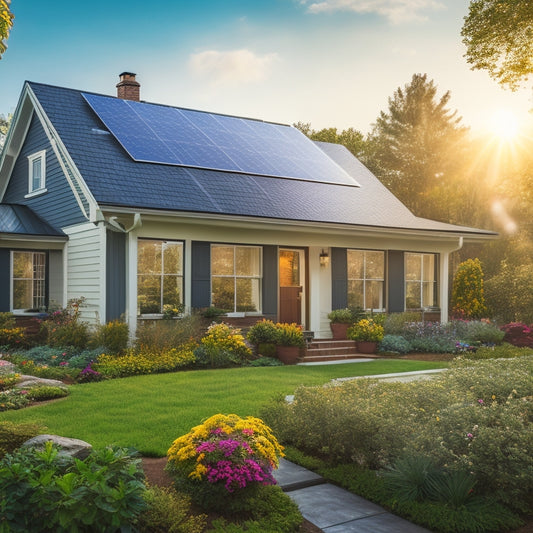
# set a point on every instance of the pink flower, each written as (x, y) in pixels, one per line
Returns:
(480, 401)
(470, 436)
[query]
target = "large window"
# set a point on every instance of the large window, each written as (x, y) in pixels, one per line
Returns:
(420, 281)
(159, 275)
(37, 173)
(366, 279)
(28, 281)
(236, 278)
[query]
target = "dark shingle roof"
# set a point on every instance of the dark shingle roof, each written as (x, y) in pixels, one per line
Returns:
(21, 220)
(115, 179)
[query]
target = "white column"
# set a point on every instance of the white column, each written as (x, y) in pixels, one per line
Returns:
(444, 274)
(131, 282)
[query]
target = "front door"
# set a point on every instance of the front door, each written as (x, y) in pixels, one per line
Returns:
(291, 285)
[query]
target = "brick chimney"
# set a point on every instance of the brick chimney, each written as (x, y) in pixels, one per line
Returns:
(128, 88)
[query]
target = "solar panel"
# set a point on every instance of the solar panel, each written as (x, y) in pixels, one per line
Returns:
(155, 133)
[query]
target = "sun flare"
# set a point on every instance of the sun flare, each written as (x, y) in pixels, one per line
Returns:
(504, 124)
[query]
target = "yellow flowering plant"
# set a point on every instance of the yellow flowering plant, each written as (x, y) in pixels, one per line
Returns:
(366, 330)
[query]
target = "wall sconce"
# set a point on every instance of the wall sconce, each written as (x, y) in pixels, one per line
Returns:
(324, 259)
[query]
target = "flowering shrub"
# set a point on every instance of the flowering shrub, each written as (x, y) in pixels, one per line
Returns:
(13, 399)
(366, 330)
(8, 381)
(145, 361)
(12, 337)
(222, 345)
(63, 327)
(289, 335)
(263, 332)
(433, 337)
(172, 311)
(518, 334)
(221, 461)
(468, 300)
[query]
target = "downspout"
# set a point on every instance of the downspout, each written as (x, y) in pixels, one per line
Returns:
(445, 275)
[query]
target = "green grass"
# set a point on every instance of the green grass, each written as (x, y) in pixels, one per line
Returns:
(150, 412)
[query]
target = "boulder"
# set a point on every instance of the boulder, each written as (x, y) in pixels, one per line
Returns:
(72, 447)
(27, 382)
(6, 367)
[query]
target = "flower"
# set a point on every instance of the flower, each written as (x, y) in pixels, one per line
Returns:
(366, 330)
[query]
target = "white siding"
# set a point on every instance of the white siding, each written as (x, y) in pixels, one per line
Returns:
(86, 269)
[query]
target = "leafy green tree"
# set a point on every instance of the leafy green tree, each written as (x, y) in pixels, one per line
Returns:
(4, 126)
(468, 299)
(498, 35)
(6, 23)
(418, 149)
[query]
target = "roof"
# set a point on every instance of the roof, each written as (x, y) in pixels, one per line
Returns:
(115, 179)
(21, 220)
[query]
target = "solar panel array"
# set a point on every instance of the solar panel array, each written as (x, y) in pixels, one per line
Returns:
(175, 136)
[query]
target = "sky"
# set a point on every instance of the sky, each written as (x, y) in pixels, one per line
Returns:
(330, 63)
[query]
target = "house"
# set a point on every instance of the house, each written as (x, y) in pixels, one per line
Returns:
(135, 206)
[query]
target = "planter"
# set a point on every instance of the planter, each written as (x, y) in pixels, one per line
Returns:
(367, 346)
(288, 355)
(339, 330)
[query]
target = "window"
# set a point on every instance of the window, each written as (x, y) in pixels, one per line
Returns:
(366, 279)
(37, 173)
(236, 278)
(28, 281)
(159, 275)
(420, 281)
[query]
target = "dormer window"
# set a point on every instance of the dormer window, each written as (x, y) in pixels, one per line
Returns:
(37, 173)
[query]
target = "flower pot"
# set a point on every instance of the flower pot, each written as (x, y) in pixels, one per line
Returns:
(339, 330)
(288, 355)
(367, 346)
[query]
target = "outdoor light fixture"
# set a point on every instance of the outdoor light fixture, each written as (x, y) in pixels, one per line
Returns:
(324, 259)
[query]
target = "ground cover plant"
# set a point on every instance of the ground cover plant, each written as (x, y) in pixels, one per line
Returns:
(456, 447)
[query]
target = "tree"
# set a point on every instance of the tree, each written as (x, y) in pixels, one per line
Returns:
(6, 23)
(351, 138)
(498, 35)
(468, 300)
(418, 149)
(4, 126)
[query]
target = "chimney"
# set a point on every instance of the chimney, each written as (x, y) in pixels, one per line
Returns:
(128, 88)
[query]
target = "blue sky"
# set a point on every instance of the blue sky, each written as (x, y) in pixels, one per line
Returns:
(327, 62)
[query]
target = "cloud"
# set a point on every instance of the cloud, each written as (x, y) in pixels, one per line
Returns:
(396, 11)
(232, 67)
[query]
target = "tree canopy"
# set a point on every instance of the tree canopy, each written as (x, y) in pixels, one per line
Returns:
(498, 35)
(6, 23)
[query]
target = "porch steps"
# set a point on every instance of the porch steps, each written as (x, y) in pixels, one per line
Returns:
(325, 350)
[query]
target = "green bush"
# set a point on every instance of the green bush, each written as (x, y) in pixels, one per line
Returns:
(169, 512)
(7, 320)
(44, 491)
(12, 436)
(482, 332)
(394, 344)
(13, 399)
(263, 332)
(266, 361)
(395, 322)
(113, 337)
(8, 381)
(504, 351)
(64, 327)
(349, 315)
(222, 346)
(45, 392)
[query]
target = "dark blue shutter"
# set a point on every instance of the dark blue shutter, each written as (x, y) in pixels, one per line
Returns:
(5, 279)
(270, 282)
(395, 278)
(339, 278)
(201, 274)
(115, 275)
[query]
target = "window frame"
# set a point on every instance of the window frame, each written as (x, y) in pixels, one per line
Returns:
(422, 281)
(37, 156)
(162, 274)
(366, 279)
(41, 281)
(236, 277)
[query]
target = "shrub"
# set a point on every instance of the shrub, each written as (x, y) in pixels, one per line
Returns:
(349, 315)
(432, 337)
(395, 322)
(394, 344)
(13, 399)
(481, 332)
(518, 334)
(12, 337)
(169, 512)
(289, 335)
(113, 337)
(8, 381)
(44, 491)
(63, 327)
(135, 362)
(366, 330)
(45, 392)
(263, 332)
(221, 462)
(265, 361)
(222, 346)
(7, 320)
(468, 299)
(61, 372)
(47, 355)
(504, 351)
(12, 435)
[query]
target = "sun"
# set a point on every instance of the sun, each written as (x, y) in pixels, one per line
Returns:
(504, 124)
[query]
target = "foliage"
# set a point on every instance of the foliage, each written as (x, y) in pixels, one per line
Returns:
(12, 436)
(480, 332)
(349, 315)
(6, 23)
(468, 300)
(13, 399)
(264, 331)
(366, 330)
(221, 346)
(8, 381)
(7, 320)
(394, 344)
(217, 461)
(518, 334)
(135, 362)
(12, 337)
(169, 512)
(172, 311)
(45, 392)
(432, 337)
(266, 361)
(60, 372)
(289, 335)
(45, 491)
(212, 312)
(509, 293)
(395, 322)
(64, 327)
(113, 337)
(498, 39)
(503, 351)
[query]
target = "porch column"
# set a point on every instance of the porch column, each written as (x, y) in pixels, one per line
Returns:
(443, 293)
(131, 283)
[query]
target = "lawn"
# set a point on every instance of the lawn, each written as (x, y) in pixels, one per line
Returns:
(149, 412)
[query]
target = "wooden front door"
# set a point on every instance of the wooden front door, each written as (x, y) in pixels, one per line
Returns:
(291, 285)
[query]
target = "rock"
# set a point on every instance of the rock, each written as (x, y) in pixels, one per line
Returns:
(72, 447)
(6, 367)
(27, 382)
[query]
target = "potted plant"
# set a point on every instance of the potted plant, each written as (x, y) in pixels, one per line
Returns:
(341, 320)
(263, 335)
(368, 334)
(289, 342)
